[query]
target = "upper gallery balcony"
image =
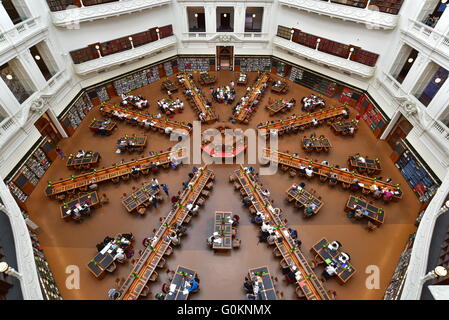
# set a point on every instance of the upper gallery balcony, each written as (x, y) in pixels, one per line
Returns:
(66, 13)
(99, 56)
(348, 58)
(375, 14)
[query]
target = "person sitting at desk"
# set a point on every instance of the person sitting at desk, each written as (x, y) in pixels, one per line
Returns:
(310, 209)
(329, 272)
(80, 154)
(293, 233)
(174, 239)
(314, 122)
(333, 178)
(325, 163)
(113, 294)
(120, 256)
(194, 285)
(74, 214)
(266, 227)
(211, 239)
(309, 171)
(388, 195)
(256, 220)
(134, 170)
(355, 185)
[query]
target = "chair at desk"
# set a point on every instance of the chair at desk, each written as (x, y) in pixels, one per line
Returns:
(284, 264)
(141, 210)
(277, 253)
(112, 267)
(365, 191)
(201, 201)
(104, 199)
(237, 186)
(209, 186)
(345, 185)
(154, 276)
(232, 178)
(115, 180)
(205, 193)
(236, 243)
(145, 292)
(371, 226)
(169, 251)
(299, 293)
(125, 177)
(292, 172)
(162, 263)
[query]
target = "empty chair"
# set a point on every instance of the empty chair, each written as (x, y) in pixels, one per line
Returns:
(154, 276)
(169, 251)
(276, 252)
(162, 263)
(145, 292)
(112, 267)
(284, 264)
(236, 243)
(141, 210)
(300, 293)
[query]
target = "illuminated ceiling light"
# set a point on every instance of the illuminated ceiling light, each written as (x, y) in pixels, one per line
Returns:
(443, 1)
(157, 30)
(292, 31)
(318, 40)
(254, 15)
(196, 15)
(410, 60)
(9, 76)
(225, 15)
(437, 80)
(37, 57)
(97, 47)
(130, 38)
(351, 49)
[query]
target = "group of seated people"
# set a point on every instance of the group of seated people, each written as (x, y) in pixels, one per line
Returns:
(79, 210)
(311, 103)
(245, 104)
(385, 192)
(192, 285)
(341, 261)
(216, 238)
(168, 106)
(252, 287)
(119, 247)
(225, 94)
(136, 101)
(81, 153)
(309, 209)
(124, 143)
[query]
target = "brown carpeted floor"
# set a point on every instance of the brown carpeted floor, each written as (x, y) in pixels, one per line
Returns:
(70, 243)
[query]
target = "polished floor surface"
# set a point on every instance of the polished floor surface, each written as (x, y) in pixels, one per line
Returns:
(70, 243)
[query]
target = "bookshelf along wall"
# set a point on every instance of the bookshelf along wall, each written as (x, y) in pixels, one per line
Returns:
(417, 176)
(76, 113)
(47, 281)
(34, 167)
(136, 80)
(190, 64)
(253, 64)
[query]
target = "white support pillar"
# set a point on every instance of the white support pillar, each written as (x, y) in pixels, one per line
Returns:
(414, 73)
(24, 250)
(211, 18)
(5, 20)
(443, 24)
(56, 123)
(391, 125)
(239, 18)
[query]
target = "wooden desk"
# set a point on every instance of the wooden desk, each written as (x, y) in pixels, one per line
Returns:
(182, 276)
(343, 176)
(133, 143)
(223, 226)
(65, 207)
(371, 212)
(343, 127)
(199, 100)
(103, 127)
(148, 261)
(304, 197)
(277, 106)
(279, 87)
(295, 123)
(307, 280)
(262, 277)
(144, 119)
(207, 79)
(243, 114)
(371, 166)
(242, 79)
(317, 144)
(113, 172)
(102, 260)
(138, 198)
(89, 159)
(345, 271)
(169, 86)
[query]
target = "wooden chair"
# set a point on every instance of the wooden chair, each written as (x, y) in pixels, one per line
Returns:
(141, 210)
(112, 267)
(284, 264)
(231, 178)
(277, 253)
(236, 243)
(162, 263)
(154, 276)
(292, 172)
(104, 199)
(300, 293)
(145, 292)
(371, 226)
(169, 251)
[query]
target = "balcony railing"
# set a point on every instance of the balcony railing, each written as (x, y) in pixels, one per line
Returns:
(370, 15)
(428, 36)
(20, 32)
(225, 37)
(73, 15)
(124, 56)
(330, 53)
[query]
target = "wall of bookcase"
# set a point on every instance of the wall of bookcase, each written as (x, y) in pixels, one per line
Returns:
(417, 175)
(47, 281)
(372, 115)
(252, 64)
(313, 81)
(34, 165)
(72, 118)
(191, 64)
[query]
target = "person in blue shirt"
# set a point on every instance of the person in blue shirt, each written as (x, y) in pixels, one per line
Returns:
(194, 286)
(165, 188)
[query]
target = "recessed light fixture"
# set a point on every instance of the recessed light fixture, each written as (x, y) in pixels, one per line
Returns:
(37, 57)
(9, 76)
(410, 60)
(254, 15)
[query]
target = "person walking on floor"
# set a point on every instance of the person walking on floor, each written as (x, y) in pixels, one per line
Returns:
(60, 152)
(165, 188)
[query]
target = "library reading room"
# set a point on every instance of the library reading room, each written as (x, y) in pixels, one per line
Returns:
(224, 150)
